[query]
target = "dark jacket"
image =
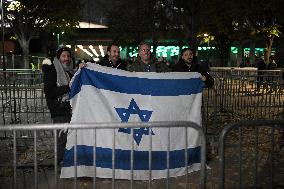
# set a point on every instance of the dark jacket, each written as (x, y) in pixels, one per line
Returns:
(153, 66)
(261, 65)
(53, 93)
(106, 62)
(272, 66)
(181, 66)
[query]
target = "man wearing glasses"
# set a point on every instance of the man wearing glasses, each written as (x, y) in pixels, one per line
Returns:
(145, 62)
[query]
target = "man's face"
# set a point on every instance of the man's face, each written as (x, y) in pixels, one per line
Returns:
(187, 56)
(114, 54)
(65, 58)
(144, 53)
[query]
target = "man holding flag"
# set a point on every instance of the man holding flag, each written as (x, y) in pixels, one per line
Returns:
(146, 62)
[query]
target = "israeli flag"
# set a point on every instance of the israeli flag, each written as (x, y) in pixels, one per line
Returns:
(101, 94)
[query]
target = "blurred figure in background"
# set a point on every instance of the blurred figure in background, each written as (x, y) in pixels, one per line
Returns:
(272, 64)
(260, 74)
(272, 78)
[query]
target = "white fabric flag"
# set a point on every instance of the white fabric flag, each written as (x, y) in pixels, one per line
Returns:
(102, 94)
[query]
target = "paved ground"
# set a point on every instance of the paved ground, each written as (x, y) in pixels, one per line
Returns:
(45, 180)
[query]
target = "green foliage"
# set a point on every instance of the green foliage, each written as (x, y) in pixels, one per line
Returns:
(238, 21)
(228, 21)
(205, 37)
(271, 31)
(131, 20)
(27, 17)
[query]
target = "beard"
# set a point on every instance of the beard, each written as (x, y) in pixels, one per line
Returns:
(114, 59)
(67, 66)
(188, 61)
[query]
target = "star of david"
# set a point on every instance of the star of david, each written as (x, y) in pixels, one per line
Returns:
(144, 116)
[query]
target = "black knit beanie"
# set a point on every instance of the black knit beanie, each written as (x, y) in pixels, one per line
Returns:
(60, 50)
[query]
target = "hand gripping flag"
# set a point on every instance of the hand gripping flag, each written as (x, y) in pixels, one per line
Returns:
(101, 94)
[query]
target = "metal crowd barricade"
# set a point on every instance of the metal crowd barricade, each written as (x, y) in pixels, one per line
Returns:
(25, 77)
(236, 93)
(14, 161)
(250, 154)
(23, 104)
(16, 61)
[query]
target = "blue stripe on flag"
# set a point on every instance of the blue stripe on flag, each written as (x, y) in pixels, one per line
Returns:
(135, 85)
(122, 158)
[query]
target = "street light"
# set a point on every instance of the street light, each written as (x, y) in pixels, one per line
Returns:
(58, 37)
(3, 38)
(207, 37)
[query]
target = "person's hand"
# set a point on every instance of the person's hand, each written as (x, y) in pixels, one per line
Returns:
(203, 78)
(82, 65)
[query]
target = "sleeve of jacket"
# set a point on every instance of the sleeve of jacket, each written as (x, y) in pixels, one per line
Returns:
(209, 79)
(50, 87)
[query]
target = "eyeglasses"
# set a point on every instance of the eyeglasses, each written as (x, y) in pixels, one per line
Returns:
(146, 50)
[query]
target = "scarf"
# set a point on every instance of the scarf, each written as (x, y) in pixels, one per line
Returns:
(61, 72)
(62, 75)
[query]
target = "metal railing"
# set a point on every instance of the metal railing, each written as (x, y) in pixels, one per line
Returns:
(16, 61)
(36, 142)
(234, 94)
(249, 152)
(21, 77)
(243, 96)
(23, 104)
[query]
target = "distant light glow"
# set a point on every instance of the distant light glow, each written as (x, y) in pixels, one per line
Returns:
(102, 50)
(247, 50)
(96, 59)
(93, 50)
(15, 6)
(90, 25)
(85, 50)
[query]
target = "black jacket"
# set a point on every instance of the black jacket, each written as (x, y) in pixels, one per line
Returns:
(181, 66)
(54, 92)
(106, 62)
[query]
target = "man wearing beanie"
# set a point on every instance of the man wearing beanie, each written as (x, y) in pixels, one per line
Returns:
(56, 78)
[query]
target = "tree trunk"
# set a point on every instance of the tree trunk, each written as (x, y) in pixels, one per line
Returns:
(252, 53)
(240, 56)
(268, 49)
(193, 32)
(224, 51)
(24, 43)
(26, 53)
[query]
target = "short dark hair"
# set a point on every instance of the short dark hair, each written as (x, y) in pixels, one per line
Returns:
(182, 51)
(272, 57)
(109, 47)
(60, 50)
(186, 49)
(143, 43)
